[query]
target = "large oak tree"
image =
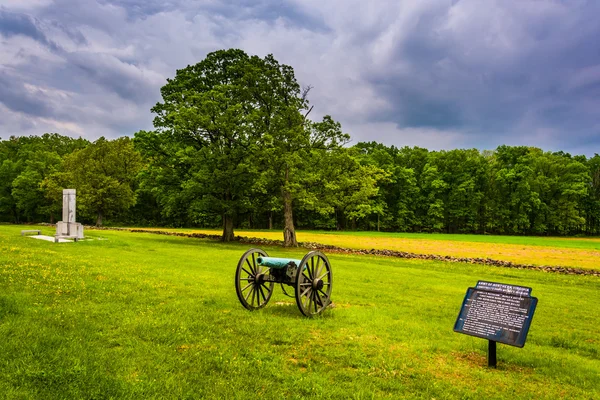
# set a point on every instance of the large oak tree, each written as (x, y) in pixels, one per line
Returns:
(232, 132)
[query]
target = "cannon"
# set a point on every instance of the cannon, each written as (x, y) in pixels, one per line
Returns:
(311, 278)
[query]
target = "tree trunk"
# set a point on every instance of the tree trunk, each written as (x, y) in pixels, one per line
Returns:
(289, 233)
(227, 228)
(271, 220)
(99, 220)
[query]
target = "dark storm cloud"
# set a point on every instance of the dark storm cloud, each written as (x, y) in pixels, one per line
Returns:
(12, 24)
(113, 75)
(143, 8)
(231, 10)
(440, 74)
(495, 79)
(16, 97)
(74, 34)
(267, 10)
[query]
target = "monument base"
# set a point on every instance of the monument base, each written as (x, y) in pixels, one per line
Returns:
(69, 230)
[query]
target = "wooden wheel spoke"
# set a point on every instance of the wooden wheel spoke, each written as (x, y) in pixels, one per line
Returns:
(266, 288)
(262, 294)
(306, 291)
(251, 267)
(318, 298)
(257, 267)
(249, 274)
(319, 267)
(247, 286)
(310, 296)
(248, 295)
(308, 269)
(324, 275)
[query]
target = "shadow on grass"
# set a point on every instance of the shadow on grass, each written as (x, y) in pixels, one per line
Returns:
(290, 310)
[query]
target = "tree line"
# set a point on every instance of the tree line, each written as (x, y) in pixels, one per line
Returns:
(234, 146)
(368, 186)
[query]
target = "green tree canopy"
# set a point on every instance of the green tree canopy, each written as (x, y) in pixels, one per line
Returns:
(230, 136)
(24, 164)
(202, 152)
(103, 174)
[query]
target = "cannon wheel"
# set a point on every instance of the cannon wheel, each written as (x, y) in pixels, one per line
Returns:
(251, 289)
(313, 284)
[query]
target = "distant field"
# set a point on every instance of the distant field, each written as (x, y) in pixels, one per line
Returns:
(571, 252)
(148, 316)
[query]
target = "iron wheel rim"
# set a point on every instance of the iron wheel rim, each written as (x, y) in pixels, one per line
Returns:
(252, 291)
(314, 284)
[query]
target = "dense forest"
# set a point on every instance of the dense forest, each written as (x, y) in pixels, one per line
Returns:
(369, 186)
(234, 147)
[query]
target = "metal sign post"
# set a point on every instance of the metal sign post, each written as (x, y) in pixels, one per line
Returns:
(491, 354)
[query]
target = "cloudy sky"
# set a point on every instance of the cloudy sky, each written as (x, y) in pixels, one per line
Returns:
(440, 74)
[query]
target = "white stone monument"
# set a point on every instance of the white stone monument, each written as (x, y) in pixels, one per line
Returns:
(68, 228)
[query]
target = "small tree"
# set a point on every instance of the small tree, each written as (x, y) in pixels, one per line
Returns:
(103, 175)
(28, 190)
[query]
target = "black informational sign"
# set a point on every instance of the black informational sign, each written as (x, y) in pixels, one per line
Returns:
(497, 312)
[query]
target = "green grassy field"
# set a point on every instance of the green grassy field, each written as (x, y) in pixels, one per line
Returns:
(592, 243)
(567, 252)
(587, 243)
(149, 316)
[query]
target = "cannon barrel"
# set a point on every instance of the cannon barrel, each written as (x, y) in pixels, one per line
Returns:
(274, 262)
